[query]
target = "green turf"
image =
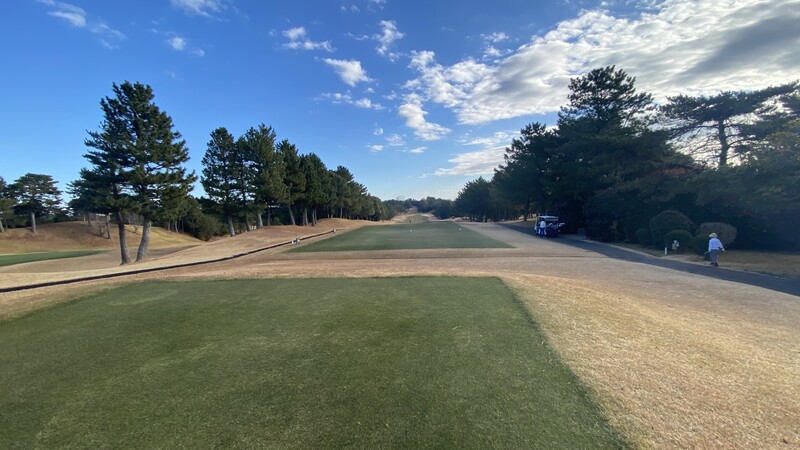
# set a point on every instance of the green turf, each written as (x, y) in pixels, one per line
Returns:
(7, 260)
(302, 363)
(404, 236)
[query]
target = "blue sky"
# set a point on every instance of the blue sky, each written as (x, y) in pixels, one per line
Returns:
(414, 97)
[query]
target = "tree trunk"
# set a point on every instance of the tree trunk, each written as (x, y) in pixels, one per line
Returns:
(33, 222)
(123, 242)
(269, 216)
(142, 252)
(259, 221)
(314, 216)
(305, 215)
(108, 228)
(2, 230)
(724, 145)
(231, 231)
(291, 215)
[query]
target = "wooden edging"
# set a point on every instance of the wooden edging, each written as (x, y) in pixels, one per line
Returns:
(156, 269)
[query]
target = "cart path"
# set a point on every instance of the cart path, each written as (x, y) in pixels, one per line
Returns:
(786, 285)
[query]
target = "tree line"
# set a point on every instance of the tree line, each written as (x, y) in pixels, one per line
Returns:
(615, 160)
(137, 169)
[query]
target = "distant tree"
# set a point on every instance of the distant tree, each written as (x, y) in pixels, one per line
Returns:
(525, 177)
(474, 200)
(294, 179)
(713, 125)
(222, 174)
(267, 170)
(343, 186)
(316, 178)
(138, 146)
(7, 202)
(37, 195)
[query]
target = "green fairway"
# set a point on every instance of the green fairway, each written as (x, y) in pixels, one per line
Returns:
(301, 363)
(404, 236)
(7, 260)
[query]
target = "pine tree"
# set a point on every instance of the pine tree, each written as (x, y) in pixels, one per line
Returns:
(222, 173)
(37, 195)
(138, 148)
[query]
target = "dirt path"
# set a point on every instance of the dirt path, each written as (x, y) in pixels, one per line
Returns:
(676, 359)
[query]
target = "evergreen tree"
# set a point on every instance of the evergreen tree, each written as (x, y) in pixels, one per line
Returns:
(138, 147)
(294, 179)
(267, 170)
(222, 173)
(7, 202)
(713, 126)
(37, 195)
(315, 174)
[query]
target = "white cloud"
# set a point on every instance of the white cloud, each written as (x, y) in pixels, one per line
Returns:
(77, 17)
(349, 71)
(205, 8)
(181, 44)
(412, 111)
(378, 131)
(365, 103)
(298, 40)
(674, 46)
(178, 43)
(417, 150)
(389, 34)
(74, 18)
(395, 140)
(375, 148)
(474, 163)
(495, 37)
(498, 138)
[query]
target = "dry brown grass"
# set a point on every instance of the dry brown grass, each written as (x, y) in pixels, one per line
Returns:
(676, 360)
(54, 237)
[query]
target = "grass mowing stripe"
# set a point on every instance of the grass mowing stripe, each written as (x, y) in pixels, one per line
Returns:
(302, 363)
(427, 235)
(7, 260)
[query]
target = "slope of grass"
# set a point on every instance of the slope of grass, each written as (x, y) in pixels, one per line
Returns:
(301, 363)
(423, 235)
(7, 260)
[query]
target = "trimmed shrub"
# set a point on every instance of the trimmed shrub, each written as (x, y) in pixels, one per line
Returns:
(684, 238)
(700, 244)
(643, 237)
(666, 221)
(725, 233)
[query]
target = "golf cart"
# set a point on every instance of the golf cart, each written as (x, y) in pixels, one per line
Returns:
(551, 226)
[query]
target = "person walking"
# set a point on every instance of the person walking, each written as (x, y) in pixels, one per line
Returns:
(714, 247)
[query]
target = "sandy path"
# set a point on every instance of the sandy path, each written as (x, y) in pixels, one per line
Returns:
(676, 360)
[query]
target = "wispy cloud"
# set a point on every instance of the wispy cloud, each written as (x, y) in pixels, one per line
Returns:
(181, 44)
(298, 40)
(205, 8)
(77, 17)
(386, 39)
(412, 111)
(675, 46)
(375, 148)
(350, 71)
(417, 150)
(395, 140)
(364, 103)
(474, 163)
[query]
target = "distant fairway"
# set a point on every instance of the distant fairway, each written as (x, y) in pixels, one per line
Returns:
(300, 363)
(426, 235)
(7, 260)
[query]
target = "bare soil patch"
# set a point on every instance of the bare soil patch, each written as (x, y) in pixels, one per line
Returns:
(676, 360)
